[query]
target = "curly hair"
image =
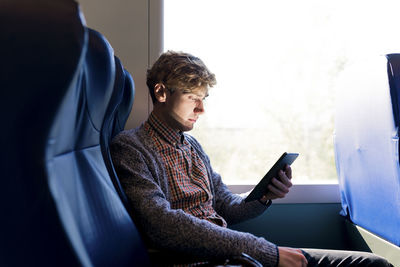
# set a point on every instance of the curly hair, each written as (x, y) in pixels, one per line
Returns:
(178, 70)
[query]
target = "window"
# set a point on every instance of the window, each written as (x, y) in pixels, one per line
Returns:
(277, 64)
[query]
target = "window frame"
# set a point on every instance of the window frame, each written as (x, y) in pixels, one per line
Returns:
(301, 193)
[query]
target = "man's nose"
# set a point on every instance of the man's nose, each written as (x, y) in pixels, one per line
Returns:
(200, 107)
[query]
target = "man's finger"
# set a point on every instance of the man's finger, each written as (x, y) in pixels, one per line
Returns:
(285, 179)
(288, 171)
(280, 185)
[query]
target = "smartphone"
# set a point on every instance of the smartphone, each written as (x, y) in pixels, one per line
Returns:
(261, 188)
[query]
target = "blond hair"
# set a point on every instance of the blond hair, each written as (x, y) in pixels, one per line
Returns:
(178, 70)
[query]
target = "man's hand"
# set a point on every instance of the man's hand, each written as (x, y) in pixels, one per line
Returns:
(279, 188)
(291, 257)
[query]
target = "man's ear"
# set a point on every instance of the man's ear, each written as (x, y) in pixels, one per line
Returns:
(160, 92)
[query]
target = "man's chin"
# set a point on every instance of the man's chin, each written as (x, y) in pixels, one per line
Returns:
(181, 124)
(186, 128)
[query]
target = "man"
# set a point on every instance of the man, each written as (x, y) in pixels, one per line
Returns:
(180, 202)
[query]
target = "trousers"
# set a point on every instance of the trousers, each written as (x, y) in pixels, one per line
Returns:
(324, 257)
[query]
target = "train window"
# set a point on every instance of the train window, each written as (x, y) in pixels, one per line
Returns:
(277, 64)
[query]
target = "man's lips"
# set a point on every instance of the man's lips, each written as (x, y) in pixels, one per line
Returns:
(193, 120)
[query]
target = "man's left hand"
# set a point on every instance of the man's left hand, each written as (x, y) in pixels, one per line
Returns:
(278, 188)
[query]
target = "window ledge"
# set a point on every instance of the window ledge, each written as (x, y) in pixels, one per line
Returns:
(301, 193)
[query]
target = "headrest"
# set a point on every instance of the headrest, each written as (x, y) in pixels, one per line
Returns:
(99, 78)
(85, 105)
(121, 103)
(117, 115)
(35, 70)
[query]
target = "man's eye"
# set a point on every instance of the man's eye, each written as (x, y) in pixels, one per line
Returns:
(196, 99)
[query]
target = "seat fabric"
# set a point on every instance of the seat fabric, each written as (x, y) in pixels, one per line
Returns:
(60, 206)
(367, 145)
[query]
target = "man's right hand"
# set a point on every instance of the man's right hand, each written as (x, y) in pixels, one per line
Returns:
(291, 257)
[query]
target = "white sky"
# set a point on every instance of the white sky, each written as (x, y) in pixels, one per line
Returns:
(275, 47)
(279, 61)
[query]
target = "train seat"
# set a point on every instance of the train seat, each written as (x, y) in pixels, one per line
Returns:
(58, 78)
(34, 75)
(114, 122)
(88, 203)
(367, 146)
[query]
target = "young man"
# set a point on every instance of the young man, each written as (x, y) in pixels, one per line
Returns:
(180, 202)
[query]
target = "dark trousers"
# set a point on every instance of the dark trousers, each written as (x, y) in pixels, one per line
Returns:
(323, 257)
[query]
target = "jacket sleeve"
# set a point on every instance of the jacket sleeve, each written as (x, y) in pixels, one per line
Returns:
(232, 206)
(174, 229)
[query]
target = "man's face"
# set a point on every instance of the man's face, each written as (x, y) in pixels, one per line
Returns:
(182, 109)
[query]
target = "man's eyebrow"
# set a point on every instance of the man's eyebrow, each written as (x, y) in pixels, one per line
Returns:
(199, 94)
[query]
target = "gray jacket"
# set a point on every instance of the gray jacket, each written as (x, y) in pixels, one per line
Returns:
(142, 175)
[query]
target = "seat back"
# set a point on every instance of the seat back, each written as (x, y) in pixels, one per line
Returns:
(367, 146)
(62, 207)
(114, 122)
(35, 74)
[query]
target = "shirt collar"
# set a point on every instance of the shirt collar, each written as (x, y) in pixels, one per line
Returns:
(172, 136)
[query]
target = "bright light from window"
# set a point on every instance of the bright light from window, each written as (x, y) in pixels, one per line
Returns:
(276, 63)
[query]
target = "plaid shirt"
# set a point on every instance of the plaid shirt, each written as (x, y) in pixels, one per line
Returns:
(188, 181)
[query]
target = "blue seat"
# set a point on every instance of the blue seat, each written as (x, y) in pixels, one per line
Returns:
(114, 122)
(60, 83)
(367, 146)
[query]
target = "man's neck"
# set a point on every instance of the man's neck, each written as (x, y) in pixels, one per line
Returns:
(164, 118)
